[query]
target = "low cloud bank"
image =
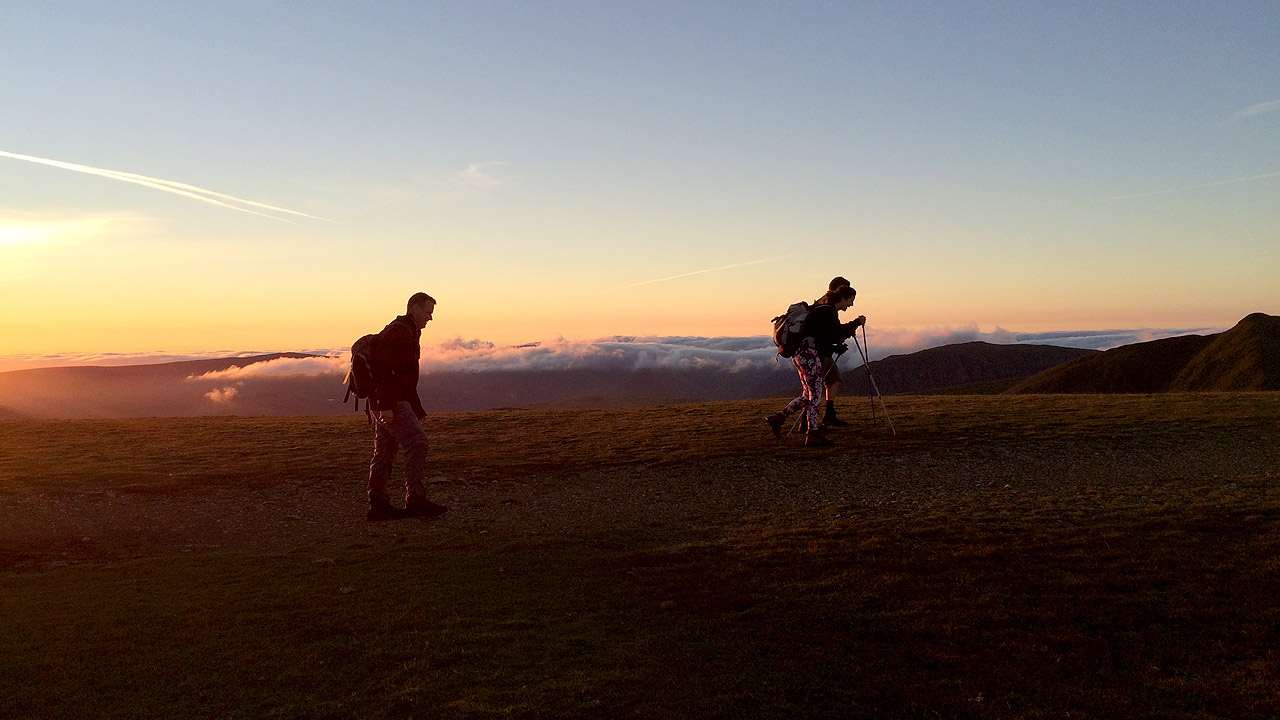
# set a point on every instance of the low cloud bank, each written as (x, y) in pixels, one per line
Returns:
(281, 368)
(470, 374)
(618, 353)
(222, 395)
(725, 354)
(1107, 339)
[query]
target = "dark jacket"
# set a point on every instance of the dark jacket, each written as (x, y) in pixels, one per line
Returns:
(824, 327)
(398, 349)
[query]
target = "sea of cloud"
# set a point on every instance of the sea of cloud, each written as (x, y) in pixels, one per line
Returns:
(620, 353)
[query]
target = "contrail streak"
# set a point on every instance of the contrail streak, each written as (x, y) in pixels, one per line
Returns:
(1259, 109)
(169, 186)
(698, 272)
(1232, 181)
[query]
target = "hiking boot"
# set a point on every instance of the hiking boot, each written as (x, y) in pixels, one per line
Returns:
(775, 422)
(380, 512)
(815, 438)
(830, 419)
(423, 508)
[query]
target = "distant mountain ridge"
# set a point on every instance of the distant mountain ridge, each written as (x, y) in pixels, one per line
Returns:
(979, 367)
(1246, 357)
(155, 390)
(179, 390)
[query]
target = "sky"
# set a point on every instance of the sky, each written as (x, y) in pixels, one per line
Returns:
(268, 176)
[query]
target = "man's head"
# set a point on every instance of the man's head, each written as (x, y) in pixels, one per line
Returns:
(421, 306)
(836, 283)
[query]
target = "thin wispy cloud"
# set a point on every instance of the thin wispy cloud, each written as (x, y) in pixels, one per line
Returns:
(1258, 109)
(193, 192)
(1232, 181)
(479, 175)
(696, 272)
(438, 189)
(476, 180)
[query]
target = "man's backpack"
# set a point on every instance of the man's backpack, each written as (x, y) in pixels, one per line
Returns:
(362, 377)
(788, 329)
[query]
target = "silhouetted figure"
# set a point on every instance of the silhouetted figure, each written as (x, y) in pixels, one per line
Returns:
(399, 414)
(831, 370)
(824, 334)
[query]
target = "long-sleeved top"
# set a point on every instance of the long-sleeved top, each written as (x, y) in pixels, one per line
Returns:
(824, 327)
(398, 349)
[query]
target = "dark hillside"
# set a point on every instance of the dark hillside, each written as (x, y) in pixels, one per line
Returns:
(1246, 357)
(159, 390)
(1140, 368)
(979, 366)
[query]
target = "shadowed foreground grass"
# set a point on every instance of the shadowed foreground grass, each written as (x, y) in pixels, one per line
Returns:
(1093, 590)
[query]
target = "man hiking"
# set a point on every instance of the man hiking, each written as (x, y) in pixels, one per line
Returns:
(399, 415)
(824, 334)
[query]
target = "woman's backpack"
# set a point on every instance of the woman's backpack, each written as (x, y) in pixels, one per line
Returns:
(788, 329)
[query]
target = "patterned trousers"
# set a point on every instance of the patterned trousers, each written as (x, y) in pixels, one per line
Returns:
(809, 365)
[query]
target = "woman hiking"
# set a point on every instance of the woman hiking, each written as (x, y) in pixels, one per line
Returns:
(824, 334)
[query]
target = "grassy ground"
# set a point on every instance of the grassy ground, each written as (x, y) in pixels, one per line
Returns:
(1001, 557)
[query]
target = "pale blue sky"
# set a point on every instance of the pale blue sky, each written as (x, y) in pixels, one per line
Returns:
(1031, 166)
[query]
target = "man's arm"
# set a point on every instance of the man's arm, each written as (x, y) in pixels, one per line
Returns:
(416, 403)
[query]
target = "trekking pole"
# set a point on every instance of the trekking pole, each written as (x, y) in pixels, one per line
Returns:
(872, 378)
(796, 425)
(834, 359)
(867, 348)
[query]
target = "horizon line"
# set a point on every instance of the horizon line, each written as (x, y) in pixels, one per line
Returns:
(890, 338)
